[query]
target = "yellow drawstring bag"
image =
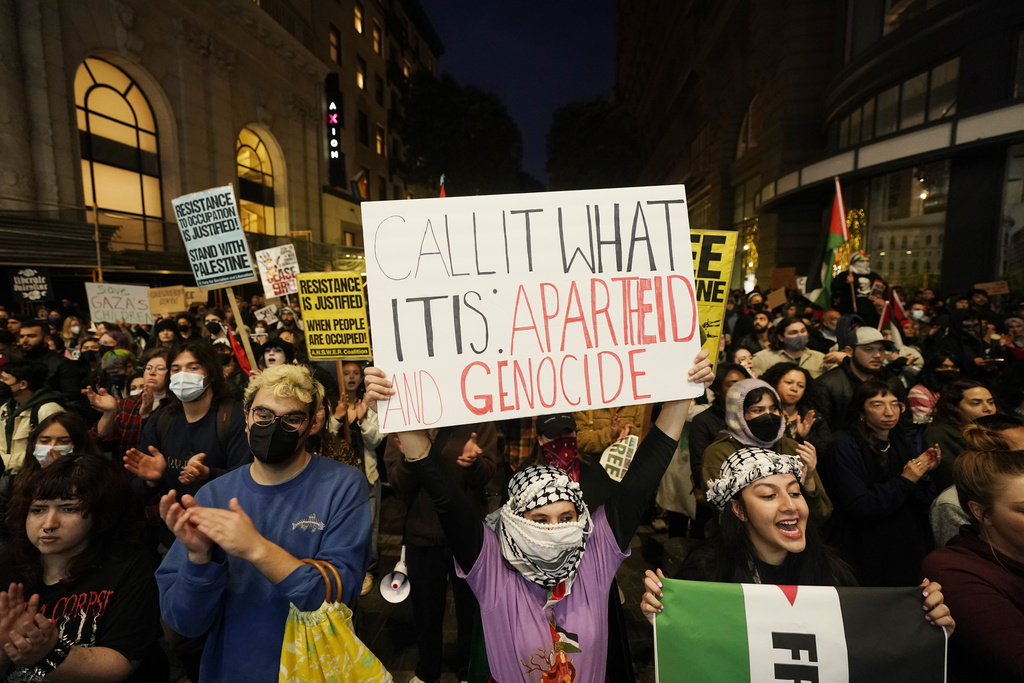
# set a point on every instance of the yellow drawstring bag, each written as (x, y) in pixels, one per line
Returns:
(321, 645)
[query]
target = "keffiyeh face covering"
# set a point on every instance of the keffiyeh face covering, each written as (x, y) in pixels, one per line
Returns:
(744, 467)
(546, 554)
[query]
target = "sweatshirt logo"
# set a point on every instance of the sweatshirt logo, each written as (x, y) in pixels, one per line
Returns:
(310, 523)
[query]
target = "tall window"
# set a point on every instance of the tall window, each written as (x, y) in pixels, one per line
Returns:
(255, 183)
(378, 39)
(361, 73)
(120, 158)
(381, 145)
(335, 39)
(358, 17)
(364, 129)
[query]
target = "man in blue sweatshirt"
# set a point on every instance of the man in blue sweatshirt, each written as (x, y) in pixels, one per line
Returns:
(236, 563)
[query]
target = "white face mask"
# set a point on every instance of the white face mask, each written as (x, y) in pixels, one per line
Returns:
(42, 450)
(188, 386)
(862, 267)
(75, 329)
(135, 392)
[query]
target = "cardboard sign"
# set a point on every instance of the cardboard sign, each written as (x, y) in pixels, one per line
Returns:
(194, 295)
(994, 288)
(165, 301)
(114, 303)
(783, 277)
(213, 238)
(31, 284)
(713, 255)
(267, 314)
(775, 298)
(334, 312)
(494, 307)
(279, 268)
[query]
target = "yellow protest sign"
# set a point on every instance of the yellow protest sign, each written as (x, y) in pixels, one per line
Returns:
(334, 313)
(713, 254)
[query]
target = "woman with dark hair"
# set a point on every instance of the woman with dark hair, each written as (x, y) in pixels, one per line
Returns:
(959, 404)
(795, 388)
(741, 355)
(766, 535)
(59, 435)
(120, 425)
(753, 417)
(789, 345)
(881, 490)
(165, 334)
(198, 437)
(983, 567)
(93, 612)
(939, 371)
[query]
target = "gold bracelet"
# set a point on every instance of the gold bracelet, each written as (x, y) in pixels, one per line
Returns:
(425, 453)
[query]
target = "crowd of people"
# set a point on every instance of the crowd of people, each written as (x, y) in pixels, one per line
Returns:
(159, 493)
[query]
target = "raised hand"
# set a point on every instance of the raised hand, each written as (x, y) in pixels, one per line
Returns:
(809, 457)
(194, 472)
(149, 467)
(649, 603)
(231, 529)
(804, 424)
(146, 399)
(470, 452)
(378, 387)
(101, 400)
(178, 518)
(32, 637)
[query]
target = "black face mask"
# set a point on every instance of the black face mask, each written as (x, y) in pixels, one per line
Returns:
(273, 444)
(90, 357)
(947, 376)
(765, 427)
(213, 328)
(225, 358)
(185, 329)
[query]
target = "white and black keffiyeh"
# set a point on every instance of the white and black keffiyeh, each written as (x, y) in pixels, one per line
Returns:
(546, 554)
(744, 467)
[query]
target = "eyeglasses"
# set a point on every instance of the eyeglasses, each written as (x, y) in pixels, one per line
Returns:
(156, 368)
(264, 418)
(894, 406)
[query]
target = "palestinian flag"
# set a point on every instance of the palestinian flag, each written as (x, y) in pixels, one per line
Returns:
(760, 633)
(838, 235)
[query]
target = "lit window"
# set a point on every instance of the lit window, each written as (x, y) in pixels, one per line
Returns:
(378, 42)
(361, 73)
(255, 183)
(406, 68)
(335, 38)
(359, 17)
(120, 159)
(381, 146)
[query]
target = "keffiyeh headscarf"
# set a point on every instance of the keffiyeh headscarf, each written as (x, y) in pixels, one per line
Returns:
(546, 554)
(744, 467)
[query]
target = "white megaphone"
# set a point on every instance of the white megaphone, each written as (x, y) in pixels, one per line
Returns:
(394, 587)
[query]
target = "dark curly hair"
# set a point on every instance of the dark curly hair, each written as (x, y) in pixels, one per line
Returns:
(947, 408)
(102, 488)
(774, 375)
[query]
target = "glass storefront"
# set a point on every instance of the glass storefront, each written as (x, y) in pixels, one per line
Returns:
(904, 215)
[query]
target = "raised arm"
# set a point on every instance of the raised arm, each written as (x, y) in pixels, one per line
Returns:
(456, 512)
(626, 505)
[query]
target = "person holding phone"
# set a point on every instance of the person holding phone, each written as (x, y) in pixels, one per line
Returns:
(882, 490)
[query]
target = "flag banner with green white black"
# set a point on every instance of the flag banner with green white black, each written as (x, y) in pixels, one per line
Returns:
(812, 634)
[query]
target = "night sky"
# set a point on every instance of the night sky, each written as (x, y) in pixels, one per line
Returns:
(535, 55)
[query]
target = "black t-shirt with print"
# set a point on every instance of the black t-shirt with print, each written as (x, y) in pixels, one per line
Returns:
(115, 606)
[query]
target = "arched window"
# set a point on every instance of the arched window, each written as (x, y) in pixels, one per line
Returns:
(255, 183)
(120, 157)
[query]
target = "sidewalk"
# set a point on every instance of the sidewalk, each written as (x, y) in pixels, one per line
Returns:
(389, 631)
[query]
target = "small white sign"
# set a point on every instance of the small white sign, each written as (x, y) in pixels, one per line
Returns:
(114, 303)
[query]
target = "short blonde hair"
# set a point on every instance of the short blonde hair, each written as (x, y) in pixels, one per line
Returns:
(287, 381)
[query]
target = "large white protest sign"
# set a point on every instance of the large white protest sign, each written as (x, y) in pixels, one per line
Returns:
(213, 238)
(114, 303)
(488, 308)
(279, 270)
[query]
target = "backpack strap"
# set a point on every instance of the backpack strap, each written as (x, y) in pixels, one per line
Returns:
(224, 409)
(164, 418)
